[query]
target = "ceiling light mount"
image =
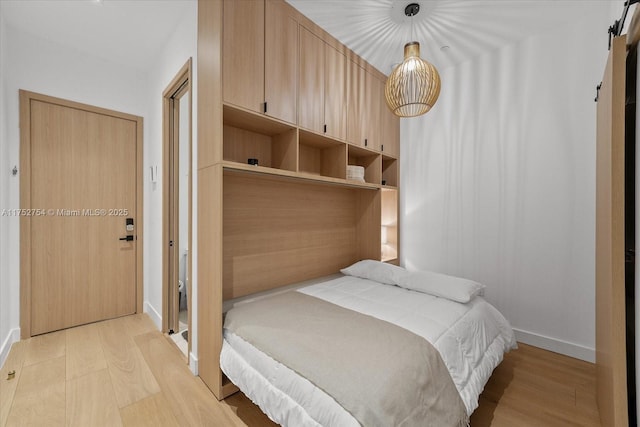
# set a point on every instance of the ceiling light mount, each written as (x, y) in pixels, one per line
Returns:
(412, 9)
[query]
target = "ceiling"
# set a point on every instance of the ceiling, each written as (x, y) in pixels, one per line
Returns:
(128, 32)
(134, 31)
(378, 29)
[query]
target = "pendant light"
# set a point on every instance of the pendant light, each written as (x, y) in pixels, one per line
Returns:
(413, 86)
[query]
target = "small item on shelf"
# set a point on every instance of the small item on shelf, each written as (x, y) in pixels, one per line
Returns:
(253, 162)
(355, 173)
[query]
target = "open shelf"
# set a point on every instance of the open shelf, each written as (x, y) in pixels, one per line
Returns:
(233, 167)
(320, 155)
(389, 225)
(390, 171)
(247, 135)
(368, 159)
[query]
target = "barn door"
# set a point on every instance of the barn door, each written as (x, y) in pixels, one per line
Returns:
(611, 356)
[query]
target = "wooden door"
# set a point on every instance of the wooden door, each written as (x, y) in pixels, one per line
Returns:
(243, 54)
(335, 93)
(80, 179)
(311, 86)
(611, 363)
(281, 61)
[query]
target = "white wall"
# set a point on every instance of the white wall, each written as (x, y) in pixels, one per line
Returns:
(6, 335)
(179, 48)
(499, 182)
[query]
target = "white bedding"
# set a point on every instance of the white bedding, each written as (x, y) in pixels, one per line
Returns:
(471, 339)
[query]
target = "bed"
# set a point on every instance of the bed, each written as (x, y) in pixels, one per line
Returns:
(449, 314)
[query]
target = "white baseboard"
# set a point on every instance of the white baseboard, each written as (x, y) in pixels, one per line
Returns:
(570, 349)
(153, 313)
(193, 363)
(12, 336)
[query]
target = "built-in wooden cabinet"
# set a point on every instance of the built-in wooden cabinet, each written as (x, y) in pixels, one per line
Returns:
(260, 57)
(276, 89)
(365, 97)
(281, 61)
(390, 131)
(322, 87)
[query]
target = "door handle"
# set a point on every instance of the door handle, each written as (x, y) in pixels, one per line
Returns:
(127, 238)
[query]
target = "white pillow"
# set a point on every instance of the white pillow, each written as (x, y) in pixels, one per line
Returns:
(441, 285)
(377, 271)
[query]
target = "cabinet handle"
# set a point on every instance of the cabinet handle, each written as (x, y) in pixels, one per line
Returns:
(382, 147)
(265, 106)
(365, 142)
(325, 128)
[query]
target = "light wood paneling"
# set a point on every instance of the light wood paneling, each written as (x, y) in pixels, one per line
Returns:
(356, 104)
(241, 144)
(91, 402)
(335, 93)
(610, 257)
(243, 53)
(210, 276)
(307, 231)
(374, 93)
(209, 85)
(210, 154)
(390, 129)
(281, 61)
(390, 171)
(311, 88)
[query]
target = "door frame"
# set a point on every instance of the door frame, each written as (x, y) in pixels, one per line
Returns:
(25, 197)
(183, 81)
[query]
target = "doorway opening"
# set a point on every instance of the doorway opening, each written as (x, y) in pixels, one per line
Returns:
(176, 316)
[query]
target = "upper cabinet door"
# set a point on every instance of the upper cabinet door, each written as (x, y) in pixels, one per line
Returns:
(335, 93)
(390, 141)
(281, 61)
(374, 94)
(311, 85)
(243, 54)
(356, 103)
(365, 94)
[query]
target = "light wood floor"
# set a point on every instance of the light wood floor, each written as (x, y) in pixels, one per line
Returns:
(120, 372)
(125, 372)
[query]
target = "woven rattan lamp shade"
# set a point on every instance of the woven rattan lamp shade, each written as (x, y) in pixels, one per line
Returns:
(413, 86)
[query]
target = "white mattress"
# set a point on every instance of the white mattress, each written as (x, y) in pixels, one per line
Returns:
(471, 339)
